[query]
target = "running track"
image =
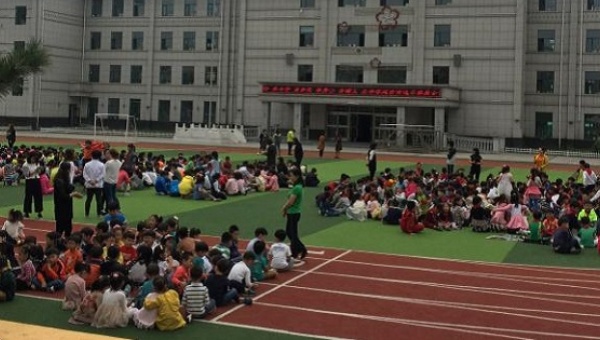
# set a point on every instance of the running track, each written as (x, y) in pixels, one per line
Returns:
(348, 294)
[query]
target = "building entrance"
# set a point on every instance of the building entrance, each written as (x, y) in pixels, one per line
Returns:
(359, 124)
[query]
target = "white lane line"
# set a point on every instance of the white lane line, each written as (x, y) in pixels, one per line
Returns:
(274, 289)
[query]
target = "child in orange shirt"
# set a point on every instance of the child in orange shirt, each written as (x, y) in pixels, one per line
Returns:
(550, 225)
(72, 255)
(128, 251)
(51, 276)
(181, 277)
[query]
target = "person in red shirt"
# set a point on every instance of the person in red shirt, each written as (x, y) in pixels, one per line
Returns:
(409, 222)
(51, 276)
(72, 255)
(128, 250)
(181, 277)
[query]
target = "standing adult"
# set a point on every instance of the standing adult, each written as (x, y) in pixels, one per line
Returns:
(321, 145)
(475, 165)
(262, 141)
(277, 141)
(111, 176)
(11, 136)
(33, 187)
(372, 160)
(291, 135)
(338, 145)
(292, 210)
(450, 158)
(93, 174)
(298, 152)
(540, 160)
(69, 157)
(64, 191)
(271, 154)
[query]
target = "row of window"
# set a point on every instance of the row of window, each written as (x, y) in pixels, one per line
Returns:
(385, 74)
(354, 36)
(551, 5)
(363, 3)
(211, 41)
(190, 8)
(546, 41)
(186, 109)
(545, 82)
(165, 74)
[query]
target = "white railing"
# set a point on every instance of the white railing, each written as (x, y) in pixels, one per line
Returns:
(485, 145)
(215, 134)
(251, 132)
(556, 153)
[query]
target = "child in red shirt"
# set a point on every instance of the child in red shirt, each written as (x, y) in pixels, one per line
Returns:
(72, 255)
(128, 250)
(408, 222)
(549, 226)
(51, 276)
(181, 277)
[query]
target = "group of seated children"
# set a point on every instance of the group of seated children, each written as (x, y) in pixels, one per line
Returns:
(417, 200)
(160, 275)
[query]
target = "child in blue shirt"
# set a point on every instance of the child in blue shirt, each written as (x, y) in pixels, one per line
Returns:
(114, 214)
(152, 271)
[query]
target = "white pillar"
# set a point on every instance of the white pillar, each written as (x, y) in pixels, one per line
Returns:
(400, 119)
(297, 125)
(439, 124)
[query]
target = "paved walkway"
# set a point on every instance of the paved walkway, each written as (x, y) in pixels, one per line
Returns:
(31, 136)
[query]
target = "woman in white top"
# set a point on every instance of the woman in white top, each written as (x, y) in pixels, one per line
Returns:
(33, 187)
(505, 182)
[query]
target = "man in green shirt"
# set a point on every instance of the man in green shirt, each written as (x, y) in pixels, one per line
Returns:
(290, 140)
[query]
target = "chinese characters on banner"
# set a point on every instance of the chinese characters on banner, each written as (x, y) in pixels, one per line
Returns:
(358, 91)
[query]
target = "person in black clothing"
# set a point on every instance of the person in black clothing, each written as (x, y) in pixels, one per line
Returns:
(11, 136)
(298, 152)
(271, 153)
(372, 160)
(451, 158)
(64, 192)
(475, 165)
(218, 284)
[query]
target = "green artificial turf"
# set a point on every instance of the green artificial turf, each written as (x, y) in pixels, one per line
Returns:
(539, 255)
(20, 310)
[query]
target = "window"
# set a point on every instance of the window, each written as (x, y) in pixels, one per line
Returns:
(593, 5)
(213, 8)
(307, 36)
(543, 125)
(547, 5)
(353, 36)
(592, 82)
(95, 40)
(210, 75)
(350, 3)
(210, 113)
(592, 41)
(166, 41)
(591, 127)
(139, 8)
(305, 73)
(135, 74)
(168, 8)
(212, 41)
(164, 110)
(117, 8)
(391, 75)
(115, 74)
(545, 82)
(441, 75)
(137, 41)
(348, 74)
(17, 87)
(94, 73)
(96, 8)
(189, 41)
(20, 15)
(164, 76)
(189, 8)
(442, 36)
(307, 3)
(18, 45)
(398, 36)
(92, 108)
(114, 105)
(116, 40)
(135, 108)
(187, 75)
(442, 2)
(393, 2)
(186, 111)
(546, 40)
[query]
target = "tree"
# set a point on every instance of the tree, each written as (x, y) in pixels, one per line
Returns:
(21, 63)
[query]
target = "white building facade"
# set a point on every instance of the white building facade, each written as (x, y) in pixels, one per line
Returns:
(507, 68)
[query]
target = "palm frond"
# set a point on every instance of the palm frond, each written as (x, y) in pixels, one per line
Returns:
(20, 63)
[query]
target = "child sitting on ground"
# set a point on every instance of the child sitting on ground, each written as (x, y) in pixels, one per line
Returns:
(549, 227)
(14, 227)
(312, 179)
(261, 270)
(27, 272)
(200, 259)
(75, 287)
(280, 253)
(535, 231)
(8, 285)
(587, 233)
(72, 255)
(480, 216)
(563, 241)
(196, 300)
(114, 213)
(166, 303)
(409, 222)
(218, 284)
(240, 276)
(181, 276)
(152, 272)
(88, 307)
(51, 276)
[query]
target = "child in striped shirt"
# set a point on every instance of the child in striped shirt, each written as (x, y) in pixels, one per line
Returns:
(196, 300)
